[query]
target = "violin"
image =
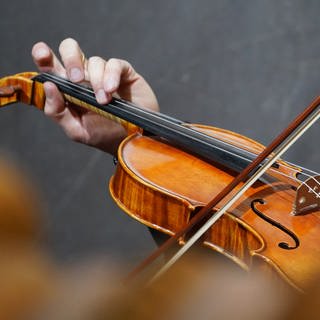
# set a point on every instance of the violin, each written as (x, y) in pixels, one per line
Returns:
(168, 170)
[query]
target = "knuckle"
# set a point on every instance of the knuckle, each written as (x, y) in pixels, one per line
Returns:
(114, 64)
(113, 61)
(94, 60)
(121, 66)
(131, 72)
(48, 110)
(129, 68)
(51, 112)
(74, 134)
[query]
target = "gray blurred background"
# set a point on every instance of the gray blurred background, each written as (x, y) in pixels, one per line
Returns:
(247, 66)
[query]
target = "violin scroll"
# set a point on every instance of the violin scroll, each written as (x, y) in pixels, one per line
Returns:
(21, 88)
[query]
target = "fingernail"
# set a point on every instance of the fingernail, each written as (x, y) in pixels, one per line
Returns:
(76, 74)
(101, 96)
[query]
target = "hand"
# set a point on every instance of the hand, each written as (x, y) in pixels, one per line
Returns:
(107, 77)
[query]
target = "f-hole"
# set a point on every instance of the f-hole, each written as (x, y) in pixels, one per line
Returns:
(293, 236)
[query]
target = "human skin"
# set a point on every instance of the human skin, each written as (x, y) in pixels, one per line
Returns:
(106, 77)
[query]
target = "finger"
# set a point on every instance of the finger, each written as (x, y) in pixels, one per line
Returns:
(55, 104)
(45, 59)
(56, 109)
(117, 70)
(73, 59)
(96, 67)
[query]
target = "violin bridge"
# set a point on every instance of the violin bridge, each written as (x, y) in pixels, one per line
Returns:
(307, 197)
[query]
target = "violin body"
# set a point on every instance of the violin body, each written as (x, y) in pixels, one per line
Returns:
(274, 225)
(163, 187)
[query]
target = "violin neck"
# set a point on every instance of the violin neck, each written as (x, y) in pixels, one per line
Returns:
(172, 130)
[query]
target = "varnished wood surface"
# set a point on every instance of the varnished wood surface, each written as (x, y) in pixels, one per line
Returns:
(161, 187)
(28, 91)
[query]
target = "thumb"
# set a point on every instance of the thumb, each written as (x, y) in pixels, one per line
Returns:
(55, 104)
(56, 109)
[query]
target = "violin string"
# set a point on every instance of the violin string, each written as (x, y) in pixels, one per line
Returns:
(88, 92)
(303, 173)
(317, 194)
(311, 189)
(271, 169)
(279, 146)
(156, 115)
(294, 179)
(311, 172)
